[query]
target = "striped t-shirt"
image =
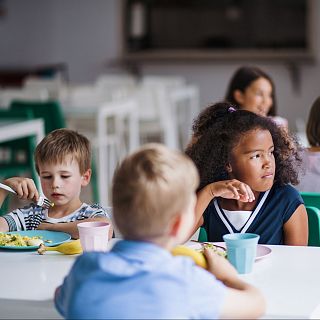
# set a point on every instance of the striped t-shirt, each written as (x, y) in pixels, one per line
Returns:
(29, 217)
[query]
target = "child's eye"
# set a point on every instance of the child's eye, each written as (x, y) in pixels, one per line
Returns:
(256, 156)
(46, 177)
(65, 177)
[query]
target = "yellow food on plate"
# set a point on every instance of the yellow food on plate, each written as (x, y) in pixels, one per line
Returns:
(16, 240)
(217, 249)
(197, 256)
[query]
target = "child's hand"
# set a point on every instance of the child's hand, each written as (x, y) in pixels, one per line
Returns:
(24, 187)
(231, 189)
(219, 266)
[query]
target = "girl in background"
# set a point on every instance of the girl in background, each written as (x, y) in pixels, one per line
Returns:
(310, 182)
(246, 164)
(251, 89)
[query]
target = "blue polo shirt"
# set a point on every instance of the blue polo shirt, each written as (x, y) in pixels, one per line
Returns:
(138, 280)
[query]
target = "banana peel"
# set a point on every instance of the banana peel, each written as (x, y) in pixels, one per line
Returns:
(70, 247)
(197, 256)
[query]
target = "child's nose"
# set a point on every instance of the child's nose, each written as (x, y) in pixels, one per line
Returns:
(55, 183)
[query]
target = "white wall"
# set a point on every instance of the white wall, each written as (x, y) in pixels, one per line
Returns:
(85, 35)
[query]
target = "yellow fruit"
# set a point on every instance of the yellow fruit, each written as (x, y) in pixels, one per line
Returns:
(197, 256)
(70, 247)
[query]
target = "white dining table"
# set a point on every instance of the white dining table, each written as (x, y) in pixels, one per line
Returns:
(288, 278)
(13, 129)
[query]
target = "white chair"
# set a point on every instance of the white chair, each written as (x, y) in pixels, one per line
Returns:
(52, 85)
(166, 109)
(185, 103)
(117, 135)
(7, 95)
(115, 86)
(156, 119)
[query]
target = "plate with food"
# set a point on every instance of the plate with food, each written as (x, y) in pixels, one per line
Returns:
(220, 248)
(31, 239)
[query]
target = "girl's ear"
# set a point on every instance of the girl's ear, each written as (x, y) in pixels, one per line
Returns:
(238, 96)
(228, 167)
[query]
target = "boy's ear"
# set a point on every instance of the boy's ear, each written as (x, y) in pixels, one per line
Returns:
(238, 96)
(85, 178)
(175, 225)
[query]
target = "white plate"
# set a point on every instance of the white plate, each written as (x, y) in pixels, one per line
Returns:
(262, 251)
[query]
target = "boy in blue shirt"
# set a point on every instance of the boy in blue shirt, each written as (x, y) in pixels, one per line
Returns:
(153, 204)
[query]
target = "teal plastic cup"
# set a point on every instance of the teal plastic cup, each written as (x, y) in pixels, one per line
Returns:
(241, 250)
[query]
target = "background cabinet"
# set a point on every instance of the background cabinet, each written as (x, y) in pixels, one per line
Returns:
(224, 29)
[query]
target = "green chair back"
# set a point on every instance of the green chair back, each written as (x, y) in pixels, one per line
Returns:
(17, 155)
(49, 111)
(311, 199)
(314, 226)
(203, 237)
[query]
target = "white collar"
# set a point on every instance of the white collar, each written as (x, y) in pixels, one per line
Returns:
(249, 221)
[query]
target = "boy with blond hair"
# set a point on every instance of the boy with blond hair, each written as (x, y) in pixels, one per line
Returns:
(63, 162)
(153, 205)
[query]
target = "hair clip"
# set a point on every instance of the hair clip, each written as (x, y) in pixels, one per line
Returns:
(231, 109)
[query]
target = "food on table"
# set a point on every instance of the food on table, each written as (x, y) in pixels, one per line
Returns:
(17, 240)
(217, 249)
(71, 247)
(34, 242)
(197, 256)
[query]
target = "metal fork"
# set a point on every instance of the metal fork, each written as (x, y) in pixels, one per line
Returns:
(42, 201)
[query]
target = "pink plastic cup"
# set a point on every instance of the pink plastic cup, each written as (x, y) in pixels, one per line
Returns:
(94, 235)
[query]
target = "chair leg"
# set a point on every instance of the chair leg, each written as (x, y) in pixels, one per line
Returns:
(94, 182)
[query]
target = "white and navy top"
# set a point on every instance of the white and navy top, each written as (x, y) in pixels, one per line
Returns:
(273, 209)
(29, 217)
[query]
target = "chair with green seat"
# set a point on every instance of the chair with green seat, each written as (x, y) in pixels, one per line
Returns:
(52, 114)
(311, 199)
(17, 154)
(49, 111)
(314, 226)
(203, 237)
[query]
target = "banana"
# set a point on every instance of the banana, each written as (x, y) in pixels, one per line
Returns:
(70, 247)
(197, 256)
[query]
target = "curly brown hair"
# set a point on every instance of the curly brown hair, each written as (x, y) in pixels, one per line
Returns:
(218, 129)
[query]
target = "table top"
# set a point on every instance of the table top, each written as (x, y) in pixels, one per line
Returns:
(13, 129)
(26, 275)
(288, 277)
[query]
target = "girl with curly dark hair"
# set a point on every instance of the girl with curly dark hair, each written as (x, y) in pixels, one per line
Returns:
(246, 164)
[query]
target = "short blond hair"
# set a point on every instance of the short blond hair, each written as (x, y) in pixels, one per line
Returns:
(60, 143)
(149, 187)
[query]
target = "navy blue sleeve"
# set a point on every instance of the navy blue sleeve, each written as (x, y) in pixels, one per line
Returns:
(294, 201)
